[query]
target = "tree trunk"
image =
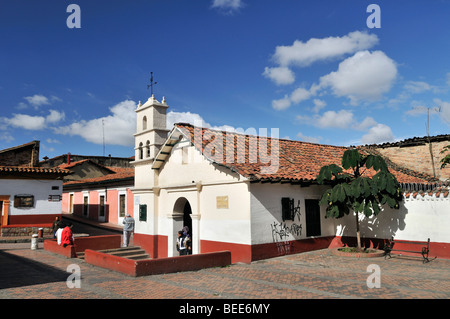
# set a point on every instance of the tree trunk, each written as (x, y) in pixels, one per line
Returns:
(358, 235)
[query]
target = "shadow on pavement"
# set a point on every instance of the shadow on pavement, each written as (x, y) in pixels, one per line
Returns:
(17, 271)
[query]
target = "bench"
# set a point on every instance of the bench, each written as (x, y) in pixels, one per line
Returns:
(424, 251)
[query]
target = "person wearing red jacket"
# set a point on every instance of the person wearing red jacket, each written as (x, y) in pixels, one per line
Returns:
(67, 236)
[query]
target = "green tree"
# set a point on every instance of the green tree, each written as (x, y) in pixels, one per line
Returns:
(354, 189)
(446, 159)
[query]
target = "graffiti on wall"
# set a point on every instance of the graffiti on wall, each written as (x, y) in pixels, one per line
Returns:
(282, 230)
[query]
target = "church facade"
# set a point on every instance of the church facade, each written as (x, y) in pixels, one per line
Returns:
(254, 196)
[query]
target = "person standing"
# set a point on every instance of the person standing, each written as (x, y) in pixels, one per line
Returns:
(181, 244)
(128, 229)
(55, 226)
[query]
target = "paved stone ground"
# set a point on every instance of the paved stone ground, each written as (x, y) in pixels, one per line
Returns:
(31, 274)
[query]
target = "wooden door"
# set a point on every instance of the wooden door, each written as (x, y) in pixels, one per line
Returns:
(4, 209)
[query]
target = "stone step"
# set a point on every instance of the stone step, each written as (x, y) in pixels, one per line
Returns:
(133, 252)
(121, 250)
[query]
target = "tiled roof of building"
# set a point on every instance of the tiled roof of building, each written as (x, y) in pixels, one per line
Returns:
(119, 174)
(413, 141)
(442, 191)
(73, 164)
(37, 170)
(298, 161)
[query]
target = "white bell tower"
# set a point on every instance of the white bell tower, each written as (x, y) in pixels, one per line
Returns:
(150, 136)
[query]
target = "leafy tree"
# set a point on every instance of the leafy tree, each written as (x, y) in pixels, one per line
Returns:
(353, 190)
(446, 159)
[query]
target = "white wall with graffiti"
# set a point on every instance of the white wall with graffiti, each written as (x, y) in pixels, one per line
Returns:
(268, 225)
(419, 218)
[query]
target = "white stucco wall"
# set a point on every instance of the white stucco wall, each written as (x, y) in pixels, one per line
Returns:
(40, 189)
(230, 224)
(187, 174)
(416, 220)
(267, 224)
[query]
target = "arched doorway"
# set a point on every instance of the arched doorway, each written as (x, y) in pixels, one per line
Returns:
(182, 216)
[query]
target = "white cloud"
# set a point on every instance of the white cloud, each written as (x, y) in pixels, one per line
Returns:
(27, 122)
(306, 53)
(119, 127)
(365, 124)
(52, 141)
(417, 86)
(55, 116)
(318, 105)
(342, 119)
(364, 76)
(444, 110)
(194, 119)
(6, 136)
(379, 133)
(33, 122)
(281, 104)
(37, 100)
(227, 6)
(309, 139)
(279, 75)
(299, 95)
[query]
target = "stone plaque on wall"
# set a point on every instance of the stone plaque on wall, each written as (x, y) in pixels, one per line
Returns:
(222, 202)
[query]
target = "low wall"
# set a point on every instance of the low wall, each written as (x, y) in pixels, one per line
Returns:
(160, 265)
(52, 246)
(82, 244)
(25, 230)
(438, 250)
(97, 242)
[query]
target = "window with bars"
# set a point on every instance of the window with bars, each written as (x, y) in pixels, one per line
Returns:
(23, 201)
(287, 208)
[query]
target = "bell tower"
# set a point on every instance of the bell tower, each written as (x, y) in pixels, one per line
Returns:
(151, 133)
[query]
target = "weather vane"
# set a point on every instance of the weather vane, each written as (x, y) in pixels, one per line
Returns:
(151, 83)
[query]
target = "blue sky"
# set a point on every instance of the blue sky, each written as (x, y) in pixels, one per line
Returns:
(313, 69)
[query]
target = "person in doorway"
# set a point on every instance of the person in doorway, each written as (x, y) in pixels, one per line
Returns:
(128, 229)
(181, 245)
(188, 245)
(67, 236)
(55, 226)
(187, 240)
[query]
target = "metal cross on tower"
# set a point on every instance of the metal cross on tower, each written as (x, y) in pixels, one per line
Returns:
(151, 83)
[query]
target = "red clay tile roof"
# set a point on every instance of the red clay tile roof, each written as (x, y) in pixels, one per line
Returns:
(442, 191)
(298, 161)
(73, 164)
(37, 170)
(120, 173)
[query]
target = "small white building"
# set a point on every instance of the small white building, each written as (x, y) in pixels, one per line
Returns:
(254, 196)
(30, 196)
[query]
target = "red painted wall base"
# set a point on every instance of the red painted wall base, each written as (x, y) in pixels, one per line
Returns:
(157, 266)
(157, 247)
